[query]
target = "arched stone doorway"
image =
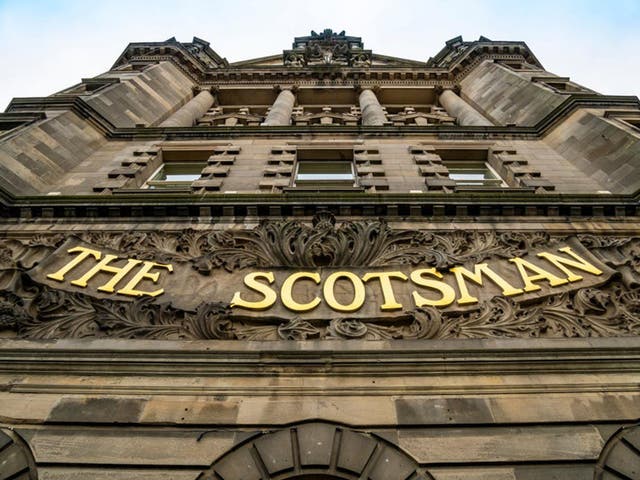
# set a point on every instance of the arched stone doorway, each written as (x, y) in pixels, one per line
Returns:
(315, 451)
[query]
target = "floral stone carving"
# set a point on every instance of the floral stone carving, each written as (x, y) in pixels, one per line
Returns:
(34, 310)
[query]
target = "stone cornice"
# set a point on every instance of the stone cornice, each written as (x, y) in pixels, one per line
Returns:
(465, 55)
(460, 204)
(79, 106)
(325, 358)
(435, 207)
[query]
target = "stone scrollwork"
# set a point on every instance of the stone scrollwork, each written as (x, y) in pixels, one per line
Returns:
(34, 310)
(322, 244)
(327, 48)
(606, 312)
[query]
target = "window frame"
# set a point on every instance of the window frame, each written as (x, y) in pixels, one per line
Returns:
(491, 177)
(352, 181)
(154, 182)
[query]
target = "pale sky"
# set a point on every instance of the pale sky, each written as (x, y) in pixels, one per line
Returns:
(51, 45)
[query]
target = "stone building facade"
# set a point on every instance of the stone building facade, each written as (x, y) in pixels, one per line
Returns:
(322, 264)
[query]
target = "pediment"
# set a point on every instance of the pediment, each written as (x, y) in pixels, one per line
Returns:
(376, 61)
(328, 49)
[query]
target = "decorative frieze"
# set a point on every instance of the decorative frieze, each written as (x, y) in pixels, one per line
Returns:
(589, 304)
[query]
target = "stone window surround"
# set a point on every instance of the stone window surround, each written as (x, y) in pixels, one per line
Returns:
(136, 170)
(510, 166)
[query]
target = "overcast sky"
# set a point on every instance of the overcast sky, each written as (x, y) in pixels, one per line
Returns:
(51, 45)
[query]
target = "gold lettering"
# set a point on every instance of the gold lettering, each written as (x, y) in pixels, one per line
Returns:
(541, 275)
(287, 288)
(143, 273)
(251, 281)
(578, 263)
(103, 266)
(387, 290)
(447, 292)
(358, 292)
(84, 253)
(476, 277)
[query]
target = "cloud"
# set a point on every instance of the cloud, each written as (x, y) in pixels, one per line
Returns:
(48, 46)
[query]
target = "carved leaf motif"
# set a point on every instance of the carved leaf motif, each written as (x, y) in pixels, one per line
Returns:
(347, 328)
(210, 322)
(139, 319)
(256, 332)
(297, 329)
(60, 314)
(12, 312)
(42, 312)
(48, 241)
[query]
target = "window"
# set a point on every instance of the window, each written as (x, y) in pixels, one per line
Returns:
(469, 168)
(175, 175)
(180, 167)
(331, 169)
(473, 174)
(325, 173)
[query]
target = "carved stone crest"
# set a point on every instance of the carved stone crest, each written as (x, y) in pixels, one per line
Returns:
(327, 48)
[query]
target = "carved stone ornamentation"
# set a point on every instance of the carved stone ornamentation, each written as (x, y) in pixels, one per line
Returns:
(32, 309)
(327, 48)
(322, 244)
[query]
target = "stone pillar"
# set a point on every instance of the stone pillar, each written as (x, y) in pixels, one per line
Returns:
(195, 108)
(280, 113)
(465, 113)
(372, 113)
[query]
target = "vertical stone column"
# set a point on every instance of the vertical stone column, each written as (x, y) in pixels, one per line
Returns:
(372, 113)
(465, 113)
(281, 110)
(195, 108)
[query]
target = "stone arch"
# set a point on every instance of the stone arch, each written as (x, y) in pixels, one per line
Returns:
(620, 456)
(16, 459)
(315, 451)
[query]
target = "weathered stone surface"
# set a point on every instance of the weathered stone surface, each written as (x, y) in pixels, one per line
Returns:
(508, 97)
(599, 147)
(546, 472)
(141, 447)
(315, 441)
(97, 410)
(40, 155)
(70, 473)
(146, 98)
(530, 444)
(349, 409)
(358, 449)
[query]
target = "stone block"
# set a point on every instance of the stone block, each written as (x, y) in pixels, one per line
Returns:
(315, 441)
(355, 451)
(276, 452)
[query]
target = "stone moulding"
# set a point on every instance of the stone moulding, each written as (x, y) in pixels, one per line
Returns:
(34, 310)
